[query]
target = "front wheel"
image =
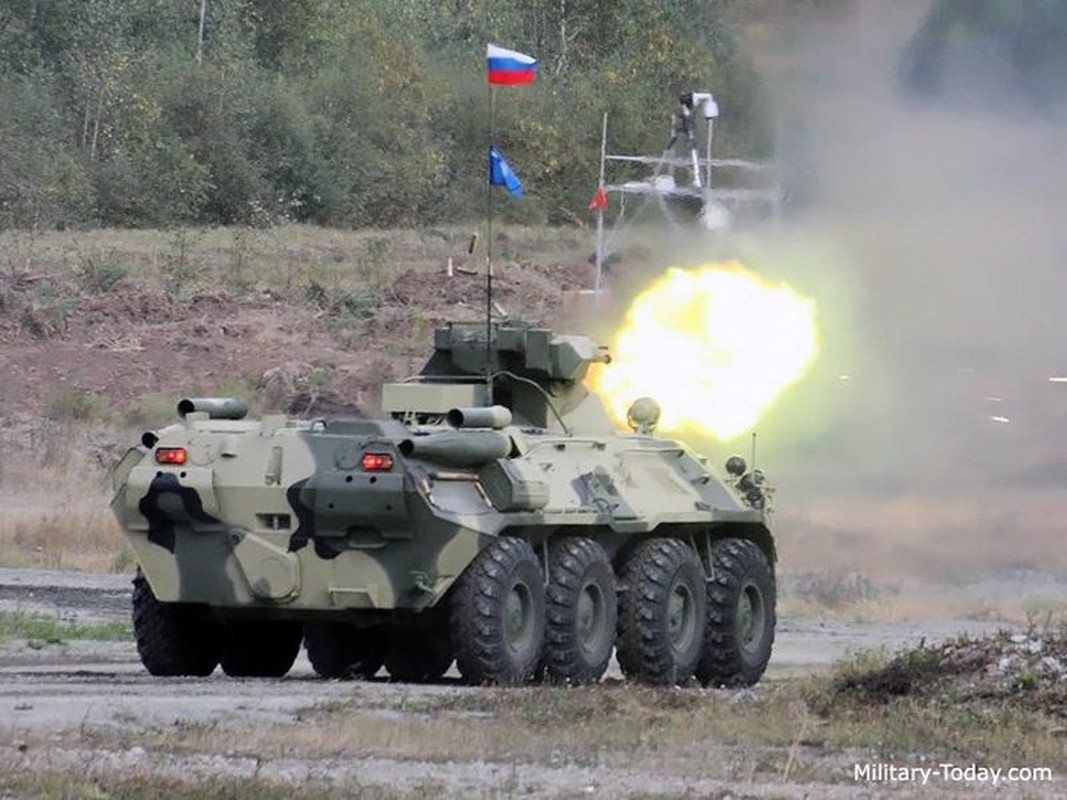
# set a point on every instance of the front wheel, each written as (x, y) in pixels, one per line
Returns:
(173, 638)
(498, 615)
(741, 615)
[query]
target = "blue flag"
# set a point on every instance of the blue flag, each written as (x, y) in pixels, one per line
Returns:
(501, 174)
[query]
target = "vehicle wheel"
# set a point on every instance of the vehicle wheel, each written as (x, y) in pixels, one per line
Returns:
(259, 649)
(343, 650)
(741, 616)
(581, 611)
(662, 612)
(173, 638)
(498, 615)
(421, 652)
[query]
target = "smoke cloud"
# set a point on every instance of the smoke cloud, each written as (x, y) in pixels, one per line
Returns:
(927, 442)
(933, 235)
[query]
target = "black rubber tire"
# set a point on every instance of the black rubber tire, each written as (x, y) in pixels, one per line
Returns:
(498, 615)
(662, 613)
(173, 638)
(581, 611)
(741, 615)
(260, 649)
(342, 650)
(421, 652)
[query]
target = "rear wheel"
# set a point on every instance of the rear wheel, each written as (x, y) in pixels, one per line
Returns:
(498, 615)
(343, 650)
(259, 649)
(173, 638)
(421, 652)
(741, 616)
(581, 611)
(662, 612)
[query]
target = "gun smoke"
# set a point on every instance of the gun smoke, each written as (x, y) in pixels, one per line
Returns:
(927, 440)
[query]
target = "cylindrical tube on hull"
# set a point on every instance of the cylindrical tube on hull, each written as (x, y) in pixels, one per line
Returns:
(458, 449)
(216, 407)
(496, 417)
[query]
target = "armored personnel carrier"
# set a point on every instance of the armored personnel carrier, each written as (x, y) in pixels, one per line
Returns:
(493, 517)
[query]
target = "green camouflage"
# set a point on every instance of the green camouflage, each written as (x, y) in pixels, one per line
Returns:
(357, 518)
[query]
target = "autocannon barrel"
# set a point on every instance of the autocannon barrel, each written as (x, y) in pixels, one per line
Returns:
(216, 407)
(458, 448)
(480, 417)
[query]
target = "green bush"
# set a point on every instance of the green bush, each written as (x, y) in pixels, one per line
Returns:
(369, 113)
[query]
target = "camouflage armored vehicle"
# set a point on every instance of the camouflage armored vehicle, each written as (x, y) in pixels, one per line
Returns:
(494, 517)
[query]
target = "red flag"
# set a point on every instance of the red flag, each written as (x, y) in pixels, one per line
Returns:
(600, 200)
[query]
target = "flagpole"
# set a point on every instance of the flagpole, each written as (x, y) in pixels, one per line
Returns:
(600, 210)
(489, 261)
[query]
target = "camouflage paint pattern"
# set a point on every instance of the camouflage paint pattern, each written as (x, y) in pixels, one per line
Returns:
(282, 517)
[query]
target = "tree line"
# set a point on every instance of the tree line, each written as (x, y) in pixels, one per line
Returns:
(153, 113)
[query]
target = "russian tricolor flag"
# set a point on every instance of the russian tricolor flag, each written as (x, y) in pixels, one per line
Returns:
(509, 67)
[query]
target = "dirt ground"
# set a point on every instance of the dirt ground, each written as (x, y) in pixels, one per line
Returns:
(90, 706)
(141, 336)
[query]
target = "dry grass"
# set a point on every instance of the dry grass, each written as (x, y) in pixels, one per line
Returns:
(54, 496)
(284, 258)
(80, 536)
(722, 734)
(794, 732)
(96, 783)
(546, 725)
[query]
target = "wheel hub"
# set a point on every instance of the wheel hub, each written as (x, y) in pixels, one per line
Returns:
(590, 618)
(518, 617)
(680, 623)
(750, 617)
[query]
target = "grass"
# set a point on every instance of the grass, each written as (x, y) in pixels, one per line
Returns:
(63, 786)
(284, 259)
(706, 734)
(779, 734)
(80, 535)
(40, 629)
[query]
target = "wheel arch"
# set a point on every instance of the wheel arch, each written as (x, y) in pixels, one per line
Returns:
(701, 537)
(753, 531)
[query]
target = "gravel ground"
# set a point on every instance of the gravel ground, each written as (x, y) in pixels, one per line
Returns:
(52, 695)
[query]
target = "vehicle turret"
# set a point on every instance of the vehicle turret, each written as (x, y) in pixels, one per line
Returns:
(533, 372)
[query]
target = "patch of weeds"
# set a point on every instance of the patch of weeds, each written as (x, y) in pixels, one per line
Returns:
(239, 276)
(124, 560)
(45, 313)
(97, 783)
(378, 248)
(343, 307)
(346, 311)
(905, 674)
(243, 387)
(311, 389)
(40, 630)
(834, 590)
(77, 405)
(181, 270)
(152, 411)
(97, 272)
